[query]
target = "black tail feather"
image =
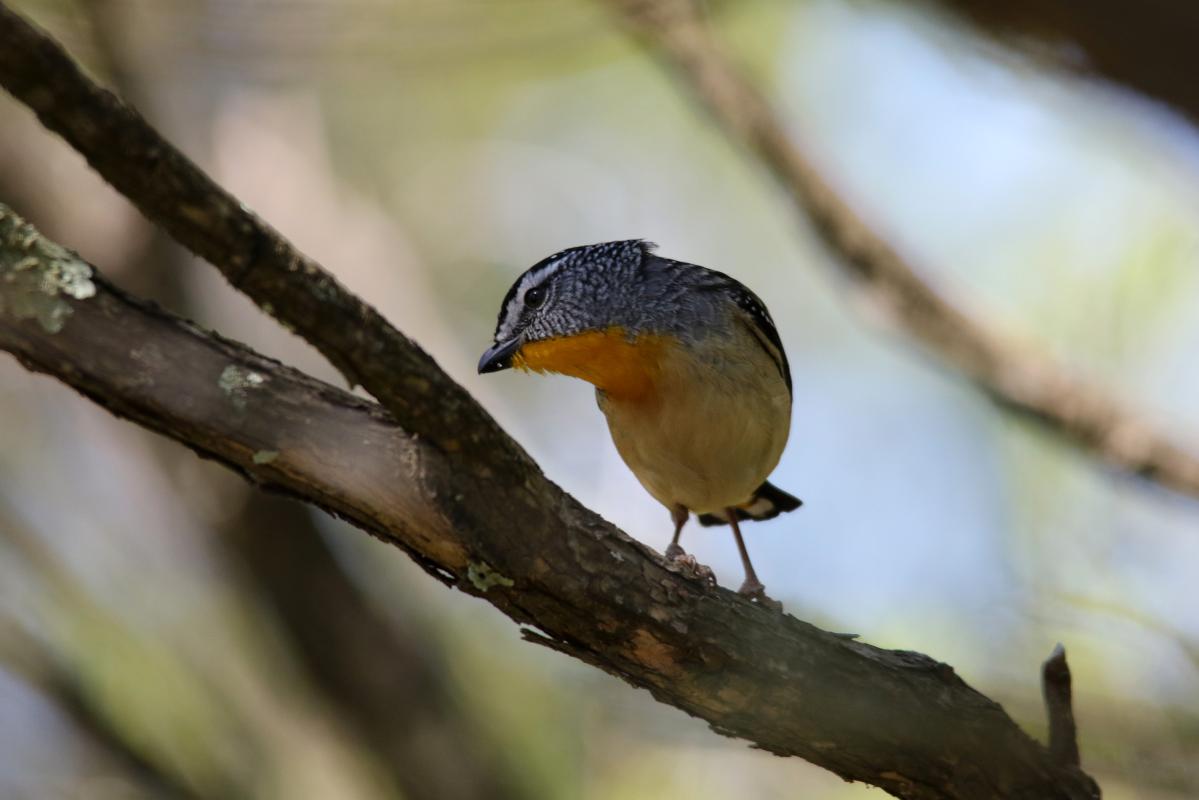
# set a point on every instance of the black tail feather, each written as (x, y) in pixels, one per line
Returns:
(767, 503)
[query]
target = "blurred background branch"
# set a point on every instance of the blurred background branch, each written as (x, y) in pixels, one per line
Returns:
(386, 676)
(1148, 47)
(1015, 375)
(136, 775)
(109, 680)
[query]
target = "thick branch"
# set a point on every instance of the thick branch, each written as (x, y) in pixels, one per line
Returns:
(1072, 407)
(892, 718)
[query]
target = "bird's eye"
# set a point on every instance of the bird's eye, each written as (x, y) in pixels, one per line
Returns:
(535, 297)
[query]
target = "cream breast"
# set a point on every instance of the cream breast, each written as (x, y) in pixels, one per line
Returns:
(712, 430)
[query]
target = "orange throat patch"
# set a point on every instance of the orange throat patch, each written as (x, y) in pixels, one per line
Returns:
(623, 369)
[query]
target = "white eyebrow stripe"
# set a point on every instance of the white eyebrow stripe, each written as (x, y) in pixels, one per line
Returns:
(516, 305)
(542, 272)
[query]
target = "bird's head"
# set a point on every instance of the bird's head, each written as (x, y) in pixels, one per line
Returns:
(573, 311)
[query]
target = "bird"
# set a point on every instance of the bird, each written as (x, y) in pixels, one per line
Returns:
(688, 369)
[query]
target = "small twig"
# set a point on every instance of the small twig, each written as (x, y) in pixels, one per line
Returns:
(1025, 381)
(1055, 688)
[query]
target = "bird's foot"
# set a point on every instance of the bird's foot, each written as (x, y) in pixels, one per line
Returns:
(754, 590)
(688, 565)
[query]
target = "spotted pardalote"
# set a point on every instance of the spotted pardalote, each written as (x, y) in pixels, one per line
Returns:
(688, 368)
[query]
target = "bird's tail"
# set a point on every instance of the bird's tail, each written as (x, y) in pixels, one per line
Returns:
(767, 503)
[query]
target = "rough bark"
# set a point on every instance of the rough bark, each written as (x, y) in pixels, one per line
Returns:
(896, 719)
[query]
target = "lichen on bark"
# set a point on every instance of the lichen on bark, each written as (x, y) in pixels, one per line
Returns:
(483, 577)
(237, 383)
(38, 278)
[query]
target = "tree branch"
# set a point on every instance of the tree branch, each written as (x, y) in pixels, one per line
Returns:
(1072, 407)
(896, 719)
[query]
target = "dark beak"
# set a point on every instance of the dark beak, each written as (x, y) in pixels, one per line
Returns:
(499, 356)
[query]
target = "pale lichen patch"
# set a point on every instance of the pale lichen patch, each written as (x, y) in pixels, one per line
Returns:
(265, 456)
(237, 382)
(483, 577)
(37, 276)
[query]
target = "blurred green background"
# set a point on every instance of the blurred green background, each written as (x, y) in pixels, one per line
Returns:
(165, 631)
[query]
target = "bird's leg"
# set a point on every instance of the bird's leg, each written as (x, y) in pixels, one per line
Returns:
(752, 586)
(681, 560)
(679, 514)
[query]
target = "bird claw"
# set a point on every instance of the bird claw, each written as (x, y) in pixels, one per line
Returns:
(688, 565)
(755, 591)
(770, 603)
